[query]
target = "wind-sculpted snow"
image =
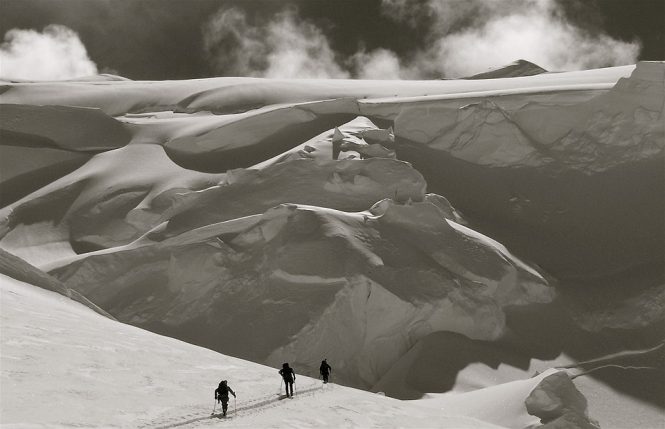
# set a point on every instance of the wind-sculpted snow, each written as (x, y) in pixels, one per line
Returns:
(109, 201)
(113, 200)
(236, 94)
(359, 134)
(290, 220)
(260, 135)
(302, 282)
(61, 127)
(39, 144)
(351, 185)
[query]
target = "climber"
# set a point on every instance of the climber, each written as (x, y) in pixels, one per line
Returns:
(222, 395)
(325, 370)
(289, 377)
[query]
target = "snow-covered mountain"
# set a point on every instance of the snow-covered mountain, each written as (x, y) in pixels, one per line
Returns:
(362, 221)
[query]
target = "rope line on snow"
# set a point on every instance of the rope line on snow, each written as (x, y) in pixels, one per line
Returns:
(253, 404)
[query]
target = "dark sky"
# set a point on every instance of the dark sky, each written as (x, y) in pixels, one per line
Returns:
(162, 39)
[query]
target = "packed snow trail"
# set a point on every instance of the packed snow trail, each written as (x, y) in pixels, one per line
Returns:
(250, 407)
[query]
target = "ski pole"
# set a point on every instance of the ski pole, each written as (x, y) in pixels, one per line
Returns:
(214, 406)
(235, 411)
(280, 386)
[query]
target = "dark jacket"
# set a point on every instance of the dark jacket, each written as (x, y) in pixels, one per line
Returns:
(288, 374)
(222, 392)
(324, 369)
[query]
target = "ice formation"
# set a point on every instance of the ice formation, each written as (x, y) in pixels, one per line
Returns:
(375, 223)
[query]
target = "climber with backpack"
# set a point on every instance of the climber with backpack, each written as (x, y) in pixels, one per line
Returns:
(289, 377)
(325, 370)
(222, 395)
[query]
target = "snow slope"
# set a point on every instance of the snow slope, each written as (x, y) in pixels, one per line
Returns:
(64, 365)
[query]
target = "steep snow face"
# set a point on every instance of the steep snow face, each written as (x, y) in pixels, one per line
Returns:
(302, 282)
(62, 365)
(623, 125)
(556, 181)
(17, 268)
(350, 185)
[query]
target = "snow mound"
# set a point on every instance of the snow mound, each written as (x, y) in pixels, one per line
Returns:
(558, 403)
(503, 404)
(297, 277)
(447, 362)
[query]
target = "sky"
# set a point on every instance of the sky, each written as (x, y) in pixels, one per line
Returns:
(376, 39)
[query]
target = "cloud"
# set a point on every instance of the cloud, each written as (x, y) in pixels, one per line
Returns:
(461, 38)
(283, 47)
(377, 64)
(485, 34)
(54, 54)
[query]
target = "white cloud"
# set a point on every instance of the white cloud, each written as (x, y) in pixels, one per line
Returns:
(463, 37)
(485, 34)
(377, 64)
(56, 53)
(284, 47)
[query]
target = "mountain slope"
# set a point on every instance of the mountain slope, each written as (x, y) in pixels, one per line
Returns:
(103, 373)
(284, 280)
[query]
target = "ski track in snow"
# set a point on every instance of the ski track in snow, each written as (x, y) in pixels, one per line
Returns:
(247, 408)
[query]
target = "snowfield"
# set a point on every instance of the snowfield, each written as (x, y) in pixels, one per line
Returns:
(446, 243)
(70, 367)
